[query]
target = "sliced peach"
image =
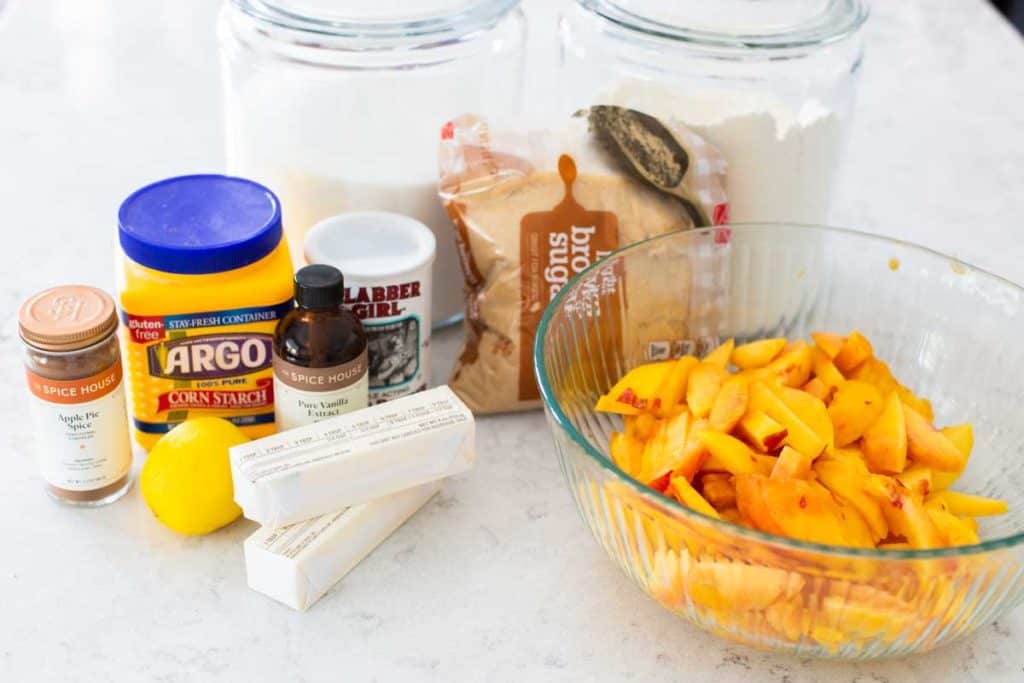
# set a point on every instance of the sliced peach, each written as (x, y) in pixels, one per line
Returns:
(912, 400)
(819, 390)
(757, 354)
(730, 405)
(734, 455)
(718, 489)
(844, 478)
(828, 342)
(885, 442)
(791, 464)
(962, 437)
(688, 496)
(627, 452)
(854, 408)
(672, 389)
(905, 513)
(607, 404)
(761, 431)
(721, 354)
(793, 367)
(798, 509)
(825, 370)
(930, 447)
(916, 478)
(637, 387)
(706, 381)
(954, 530)
(855, 350)
(811, 411)
(967, 505)
(642, 426)
(799, 435)
(663, 451)
(694, 453)
(876, 373)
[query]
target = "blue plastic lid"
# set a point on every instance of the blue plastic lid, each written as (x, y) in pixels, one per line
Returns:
(199, 224)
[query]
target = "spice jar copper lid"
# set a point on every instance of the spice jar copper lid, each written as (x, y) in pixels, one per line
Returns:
(67, 317)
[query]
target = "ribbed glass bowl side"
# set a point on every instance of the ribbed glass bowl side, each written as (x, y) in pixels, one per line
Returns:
(948, 331)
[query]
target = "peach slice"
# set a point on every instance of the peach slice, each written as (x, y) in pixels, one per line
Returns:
(819, 390)
(791, 464)
(706, 381)
(636, 389)
(811, 411)
(627, 452)
(885, 442)
(855, 350)
(912, 400)
(825, 370)
(930, 447)
(877, 374)
(757, 354)
(955, 531)
(672, 390)
(968, 505)
(917, 478)
(688, 496)
(718, 489)
(905, 513)
(844, 478)
(962, 437)
(854, 408)
(734, 455)
(730, 405)
(828, 342)
(721, 354)
(793, 367)
(760, 431)
(799, 435)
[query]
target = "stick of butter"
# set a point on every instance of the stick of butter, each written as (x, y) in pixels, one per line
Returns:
(353, 458)
(298, 563)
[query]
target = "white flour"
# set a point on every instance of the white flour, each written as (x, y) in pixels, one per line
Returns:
(782, 164)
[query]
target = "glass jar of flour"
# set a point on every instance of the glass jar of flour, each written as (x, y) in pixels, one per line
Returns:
(339, 107)
(768, 82)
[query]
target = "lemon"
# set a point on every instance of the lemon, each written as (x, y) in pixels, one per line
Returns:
(186, 480)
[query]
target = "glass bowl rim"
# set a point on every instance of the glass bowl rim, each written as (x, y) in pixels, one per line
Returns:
(725, 526)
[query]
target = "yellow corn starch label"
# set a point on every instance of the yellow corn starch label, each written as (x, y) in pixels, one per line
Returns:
(216, 364)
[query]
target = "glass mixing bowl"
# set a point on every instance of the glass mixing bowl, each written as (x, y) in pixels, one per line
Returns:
(949, 331)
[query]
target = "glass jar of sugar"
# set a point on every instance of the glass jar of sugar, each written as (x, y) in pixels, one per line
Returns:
(339, 106)
(770, 83)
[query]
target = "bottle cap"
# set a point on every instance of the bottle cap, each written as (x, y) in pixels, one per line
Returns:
(319, 286)
(199, 224)
(66, 318)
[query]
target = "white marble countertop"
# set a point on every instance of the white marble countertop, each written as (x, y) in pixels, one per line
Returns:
(496, 579)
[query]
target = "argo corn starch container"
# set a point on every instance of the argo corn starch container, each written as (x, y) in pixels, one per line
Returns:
(203, 277)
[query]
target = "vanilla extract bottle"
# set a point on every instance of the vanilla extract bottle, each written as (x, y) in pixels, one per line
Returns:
(320, 358)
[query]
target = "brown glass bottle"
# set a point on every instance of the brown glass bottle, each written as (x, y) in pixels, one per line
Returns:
(320, 367)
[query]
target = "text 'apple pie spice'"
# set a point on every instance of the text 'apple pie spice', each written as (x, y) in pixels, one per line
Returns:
(73, 368)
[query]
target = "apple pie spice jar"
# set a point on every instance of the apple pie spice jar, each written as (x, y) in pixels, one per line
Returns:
(79, 416)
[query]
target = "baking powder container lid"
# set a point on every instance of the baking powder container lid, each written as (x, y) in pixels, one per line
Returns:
(371, 245)
(199, 224)
(66, 318)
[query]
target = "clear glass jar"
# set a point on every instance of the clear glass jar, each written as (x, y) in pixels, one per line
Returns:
(770, 83)
(341, 109)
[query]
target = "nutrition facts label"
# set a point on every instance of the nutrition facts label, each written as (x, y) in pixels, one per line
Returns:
(338, 437)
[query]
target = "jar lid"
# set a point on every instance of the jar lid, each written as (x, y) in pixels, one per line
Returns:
(745, 24)
(66, 318)
(379, 20)
(371, 245)
(199, 224)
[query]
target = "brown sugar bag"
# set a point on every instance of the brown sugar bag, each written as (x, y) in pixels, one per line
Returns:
(533, 210)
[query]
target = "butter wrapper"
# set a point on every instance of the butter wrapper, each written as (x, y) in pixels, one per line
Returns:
(353, 458)
(298, 563)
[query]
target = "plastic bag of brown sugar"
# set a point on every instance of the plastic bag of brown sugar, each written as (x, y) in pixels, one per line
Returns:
(533, 209)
